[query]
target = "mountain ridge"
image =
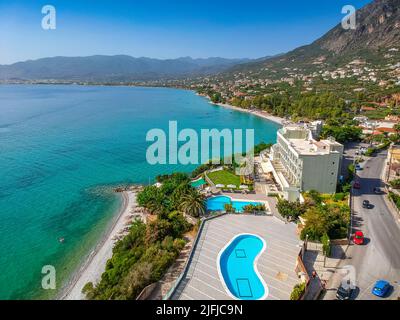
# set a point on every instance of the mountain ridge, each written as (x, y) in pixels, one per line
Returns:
(114, 68)
(378, 27)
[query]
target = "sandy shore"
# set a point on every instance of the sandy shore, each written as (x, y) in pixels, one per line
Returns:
(95, 265)
(258, 113)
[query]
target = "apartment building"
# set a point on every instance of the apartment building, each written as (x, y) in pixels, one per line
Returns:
(300, 163)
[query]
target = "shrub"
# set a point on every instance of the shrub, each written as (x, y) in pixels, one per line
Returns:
(229, 208)
(342, 133)
(332, 219)
(326, 245)
(136, 262)
(298, 291)
(254, 208)
(351, 171)
(201, 169)
(395, 198)
(316, 224)
(88, 290)
(395, 184)
(291, 209)
(339, 196)
(157, 230)
(315, 196)
(370, 152)
(261, 147)
(346, 188)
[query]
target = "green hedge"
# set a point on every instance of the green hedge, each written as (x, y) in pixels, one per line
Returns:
(395, 198)
(395, 184)
(298, 291)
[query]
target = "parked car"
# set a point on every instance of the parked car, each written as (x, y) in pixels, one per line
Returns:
(381, 288)
(357, 185)
(358, 167)
(343, 293)
(377, 190)
(366, 204)
(358, 238)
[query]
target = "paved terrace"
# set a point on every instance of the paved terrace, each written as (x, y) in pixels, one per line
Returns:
(276, 265)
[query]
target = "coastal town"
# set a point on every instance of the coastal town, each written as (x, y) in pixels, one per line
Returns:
(305, 199)
(317, 197)
(281, 184)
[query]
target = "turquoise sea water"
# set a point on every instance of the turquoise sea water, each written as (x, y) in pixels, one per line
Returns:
(237, 267)
(62, 148)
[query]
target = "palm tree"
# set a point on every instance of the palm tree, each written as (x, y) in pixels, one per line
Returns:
(229, 208)
(193, 204)
(156, 205)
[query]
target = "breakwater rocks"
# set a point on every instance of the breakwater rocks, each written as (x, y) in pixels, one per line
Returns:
(135, 188)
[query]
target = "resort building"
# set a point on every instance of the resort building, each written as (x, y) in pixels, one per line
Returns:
(299, 163)
(316, 128)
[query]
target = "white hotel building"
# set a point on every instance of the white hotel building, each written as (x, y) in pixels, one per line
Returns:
(299, 163)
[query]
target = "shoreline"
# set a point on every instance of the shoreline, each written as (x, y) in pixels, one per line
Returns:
(256, 112)
(94, 265)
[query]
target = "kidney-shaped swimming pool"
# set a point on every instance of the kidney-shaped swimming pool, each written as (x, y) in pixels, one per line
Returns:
(237, 268)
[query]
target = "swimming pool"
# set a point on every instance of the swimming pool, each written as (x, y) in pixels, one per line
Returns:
(218, 204)
(237, 268)
(198, 183)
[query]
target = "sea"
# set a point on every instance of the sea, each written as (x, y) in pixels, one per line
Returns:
(63, 149)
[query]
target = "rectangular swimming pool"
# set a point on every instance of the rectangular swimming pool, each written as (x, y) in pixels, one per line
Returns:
(218, 204)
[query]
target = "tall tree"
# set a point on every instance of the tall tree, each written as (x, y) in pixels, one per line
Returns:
(193, 204)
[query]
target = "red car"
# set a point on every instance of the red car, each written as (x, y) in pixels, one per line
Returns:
(357, 185)
(358, 238)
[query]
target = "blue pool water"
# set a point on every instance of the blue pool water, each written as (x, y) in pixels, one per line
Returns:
(198, 183)
(237, 268)
(218, 203)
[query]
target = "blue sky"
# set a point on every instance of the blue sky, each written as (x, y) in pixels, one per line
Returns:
(165, 28)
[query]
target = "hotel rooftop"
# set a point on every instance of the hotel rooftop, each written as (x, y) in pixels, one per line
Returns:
(302, 141)
(300, 163)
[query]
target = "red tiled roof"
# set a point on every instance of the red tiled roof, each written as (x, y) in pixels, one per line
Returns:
(368, 108)
(389, 130)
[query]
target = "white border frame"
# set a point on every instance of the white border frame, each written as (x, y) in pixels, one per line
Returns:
(221, 277)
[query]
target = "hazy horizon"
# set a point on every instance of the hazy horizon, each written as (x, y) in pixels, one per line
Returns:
(164, 29)
(141, 57)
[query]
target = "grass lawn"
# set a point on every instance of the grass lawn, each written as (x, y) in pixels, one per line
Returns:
(330, 199)
(224, 177)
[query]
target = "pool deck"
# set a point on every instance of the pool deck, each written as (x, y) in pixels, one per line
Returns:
(276, 265)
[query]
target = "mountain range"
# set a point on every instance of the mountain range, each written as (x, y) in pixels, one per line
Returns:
(378, 28)
(101, 68)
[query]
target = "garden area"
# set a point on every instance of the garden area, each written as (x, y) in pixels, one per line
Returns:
(224, 177)
(319, 216)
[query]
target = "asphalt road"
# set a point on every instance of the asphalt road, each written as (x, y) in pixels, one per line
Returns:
(379, 257)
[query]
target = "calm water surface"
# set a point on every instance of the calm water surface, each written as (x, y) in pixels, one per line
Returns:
(62, 149)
